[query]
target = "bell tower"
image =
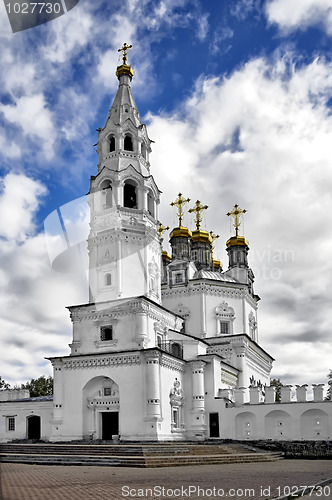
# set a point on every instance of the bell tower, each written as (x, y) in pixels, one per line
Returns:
(124, 247)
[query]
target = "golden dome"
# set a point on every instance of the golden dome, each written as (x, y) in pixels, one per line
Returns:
(237, 241)
(124, 70)
(216, 264)
(181, 231)
(166, 256)
(203, 236)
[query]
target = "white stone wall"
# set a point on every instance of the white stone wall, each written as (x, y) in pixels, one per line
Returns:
(21, 411)
(259, 419)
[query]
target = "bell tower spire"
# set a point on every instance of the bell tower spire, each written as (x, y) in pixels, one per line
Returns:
(124, 246)
(124, 140)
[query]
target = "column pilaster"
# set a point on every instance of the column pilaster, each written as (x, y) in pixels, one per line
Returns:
(198, 424)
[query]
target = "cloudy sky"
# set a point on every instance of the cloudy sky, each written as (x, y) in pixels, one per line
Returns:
(237, 96)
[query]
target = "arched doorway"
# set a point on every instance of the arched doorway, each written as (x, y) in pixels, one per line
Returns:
(101, 407)
(33, 427)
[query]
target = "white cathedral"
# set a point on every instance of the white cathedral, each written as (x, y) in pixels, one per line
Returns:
(167, 347)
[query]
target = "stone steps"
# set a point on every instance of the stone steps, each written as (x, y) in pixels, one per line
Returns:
(134, 461)
(146, 455)
(122, 450)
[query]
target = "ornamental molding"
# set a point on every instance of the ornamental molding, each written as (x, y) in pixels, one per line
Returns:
(173, 364)
(182, 310)
(197, 366)
(129, 234)
(224, 352)
(259, 359)
(261, 368)
(152, 356)
(251, 301)
(217, 290)
(128, 308)
(101, 362)
(228, 378)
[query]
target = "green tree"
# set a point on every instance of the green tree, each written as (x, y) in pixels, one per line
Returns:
(276, 382)
(4, 384)
(42, 386)
(329, 390)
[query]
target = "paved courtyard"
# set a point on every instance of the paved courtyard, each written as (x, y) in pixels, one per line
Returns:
(253, 480)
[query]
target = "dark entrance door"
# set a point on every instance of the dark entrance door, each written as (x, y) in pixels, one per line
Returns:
(214, 425)
(34, 427)
(110, 424)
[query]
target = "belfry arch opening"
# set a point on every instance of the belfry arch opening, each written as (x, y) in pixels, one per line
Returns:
(106, 187)
(130, 194)
(128, 143)
(151, 208)
(111, 143)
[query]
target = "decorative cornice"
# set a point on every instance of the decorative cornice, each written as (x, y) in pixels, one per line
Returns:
(217, 290)
(173, 364)
(128, 308)
(224, 352)
(102, 361)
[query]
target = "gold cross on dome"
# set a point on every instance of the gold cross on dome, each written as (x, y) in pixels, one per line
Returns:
(161, 230)
(124, 49)
(180, 202)
(213, 237)
(236, 213)
(197, 210)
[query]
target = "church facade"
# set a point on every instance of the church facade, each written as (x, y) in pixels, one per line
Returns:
(167, 347)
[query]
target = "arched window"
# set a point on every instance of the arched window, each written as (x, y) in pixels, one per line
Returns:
(176, 350)
(150, 203)
(128, 143)
(106, 187)
(130, 194)
(108, 279)
(112, 143)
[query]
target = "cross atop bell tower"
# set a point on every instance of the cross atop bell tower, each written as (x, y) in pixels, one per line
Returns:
(124, 49)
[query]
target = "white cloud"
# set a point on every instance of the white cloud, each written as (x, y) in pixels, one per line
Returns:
(18, 202)
(68, 34)
(294, 14)
(32, 115)
(261, 138)
(33, 320)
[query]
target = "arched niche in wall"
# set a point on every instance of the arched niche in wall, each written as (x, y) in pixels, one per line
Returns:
(278, 425)
(245, 425)
(314, 424)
